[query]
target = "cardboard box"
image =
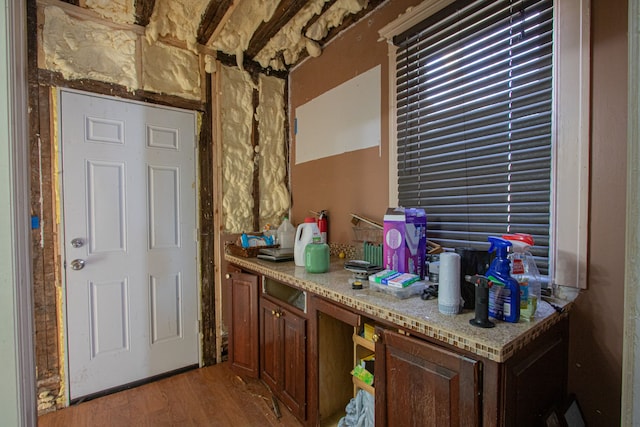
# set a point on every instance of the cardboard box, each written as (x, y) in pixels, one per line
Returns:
(405, 240)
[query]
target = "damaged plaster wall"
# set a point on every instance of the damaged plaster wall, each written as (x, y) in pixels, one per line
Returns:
(275, 198)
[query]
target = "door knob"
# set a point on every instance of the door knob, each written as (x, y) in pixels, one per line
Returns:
(77, 264)
(77, 242)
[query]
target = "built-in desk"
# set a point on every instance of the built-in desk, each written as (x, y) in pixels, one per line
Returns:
(507, 375)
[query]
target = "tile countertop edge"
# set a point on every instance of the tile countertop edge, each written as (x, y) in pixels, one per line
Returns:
(412, 314)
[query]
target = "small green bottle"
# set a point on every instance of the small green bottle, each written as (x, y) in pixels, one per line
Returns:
(316, 256)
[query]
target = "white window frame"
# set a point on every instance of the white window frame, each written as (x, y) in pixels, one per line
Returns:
(568, 244)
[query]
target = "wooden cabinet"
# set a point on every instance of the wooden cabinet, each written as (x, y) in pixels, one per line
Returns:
(362, 349)
(283, 354)
(330, 361)
(243, 325)
(536, 378)
(421, 384)
(418, 381)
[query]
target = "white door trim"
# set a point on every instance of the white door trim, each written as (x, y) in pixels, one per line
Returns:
(15, 142)
(61, 244)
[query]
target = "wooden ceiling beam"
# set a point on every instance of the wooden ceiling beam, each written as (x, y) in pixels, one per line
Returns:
(350, 20)
(285, 11)
(311, 21)
(144, 9)
(346, 22)
(214, 18)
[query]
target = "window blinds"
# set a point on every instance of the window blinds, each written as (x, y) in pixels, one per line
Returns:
(474, 91)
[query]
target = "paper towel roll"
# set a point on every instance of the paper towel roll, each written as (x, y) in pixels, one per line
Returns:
(449, 283)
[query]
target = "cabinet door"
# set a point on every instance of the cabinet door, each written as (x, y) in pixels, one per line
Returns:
(421, 384)
(243, 330)
(283, 356)
(294, 378)
(270, 357)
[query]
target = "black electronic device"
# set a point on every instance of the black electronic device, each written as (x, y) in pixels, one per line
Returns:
(482, 285)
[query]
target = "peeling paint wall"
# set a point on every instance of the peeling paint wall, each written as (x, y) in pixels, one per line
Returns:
(275, 199)
(238, 154)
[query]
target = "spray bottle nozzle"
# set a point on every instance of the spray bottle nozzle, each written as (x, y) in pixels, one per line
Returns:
(499, 245)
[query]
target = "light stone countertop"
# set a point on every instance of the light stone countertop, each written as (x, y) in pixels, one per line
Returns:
(411, 314)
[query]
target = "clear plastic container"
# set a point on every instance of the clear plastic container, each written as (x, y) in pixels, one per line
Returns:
(402, 293)
(525, 271)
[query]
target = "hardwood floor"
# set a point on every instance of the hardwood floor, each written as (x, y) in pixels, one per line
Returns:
(211, 396)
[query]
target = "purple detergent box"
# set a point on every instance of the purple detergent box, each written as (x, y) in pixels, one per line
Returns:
(405, 240)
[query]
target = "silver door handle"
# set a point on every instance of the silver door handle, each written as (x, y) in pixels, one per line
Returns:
(77, 242)
(77, 264)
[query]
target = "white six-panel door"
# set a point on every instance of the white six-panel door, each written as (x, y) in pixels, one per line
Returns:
(130, 250)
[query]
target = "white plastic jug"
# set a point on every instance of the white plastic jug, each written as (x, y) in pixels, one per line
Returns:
(304, 235)
(286, 233)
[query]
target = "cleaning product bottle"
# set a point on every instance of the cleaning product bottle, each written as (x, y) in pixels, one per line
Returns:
(504, 293)
(304, 235)
(316, 256)
(286, 233)
(525, 271)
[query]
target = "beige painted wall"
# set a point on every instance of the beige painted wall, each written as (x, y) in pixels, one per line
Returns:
(595, 359)
(335, 183)
(355, 182)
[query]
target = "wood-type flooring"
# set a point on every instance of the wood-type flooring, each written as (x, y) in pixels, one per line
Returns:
(210, 396)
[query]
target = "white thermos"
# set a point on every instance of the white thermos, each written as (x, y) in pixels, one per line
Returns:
(449, 300)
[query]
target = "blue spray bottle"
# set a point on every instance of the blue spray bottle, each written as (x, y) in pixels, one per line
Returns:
(504, 293)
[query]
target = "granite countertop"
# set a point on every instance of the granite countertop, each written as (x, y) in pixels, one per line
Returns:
(411, 314)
